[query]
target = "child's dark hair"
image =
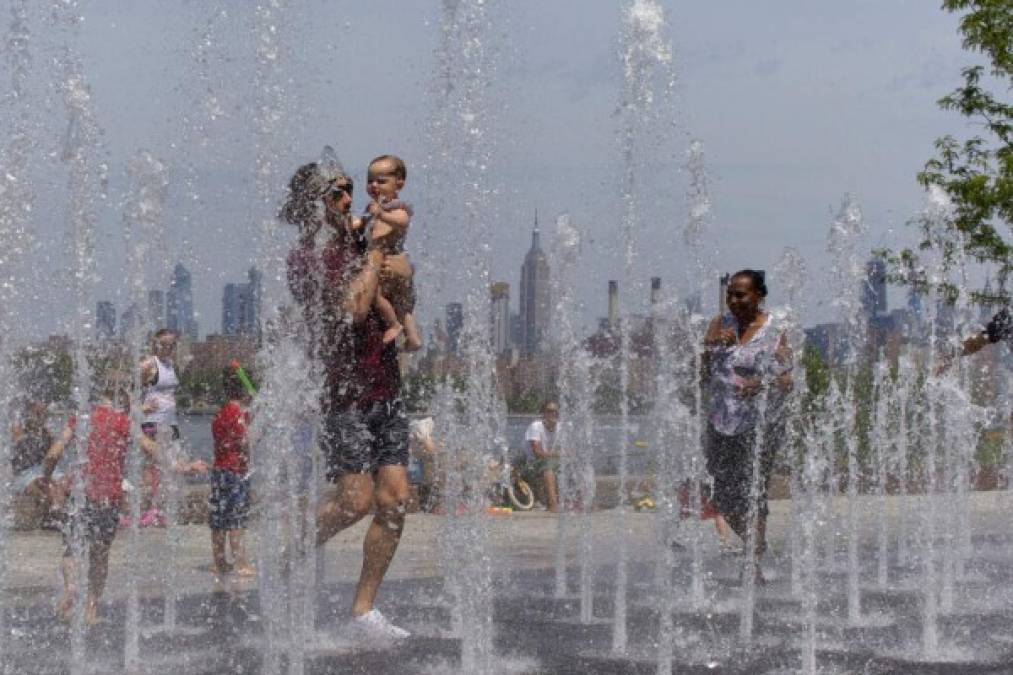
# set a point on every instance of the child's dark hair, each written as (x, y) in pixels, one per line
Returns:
(757, 277)
(400, 170)
(232, 386)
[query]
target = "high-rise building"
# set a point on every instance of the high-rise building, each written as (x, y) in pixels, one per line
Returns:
(723, 293)
(535, 300)
(179, 303)
(241, 305)
(105, 320)
(613, 306)
(874, 289)
(500, 306)
(455, 323)
(129, 319)
(249, 317)
(156, 310)
(231, 295)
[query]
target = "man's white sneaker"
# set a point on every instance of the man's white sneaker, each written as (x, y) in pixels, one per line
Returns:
(375, 624)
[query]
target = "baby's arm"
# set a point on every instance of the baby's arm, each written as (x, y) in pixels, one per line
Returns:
(392, 216)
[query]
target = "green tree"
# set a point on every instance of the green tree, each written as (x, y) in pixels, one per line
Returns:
(977, 173)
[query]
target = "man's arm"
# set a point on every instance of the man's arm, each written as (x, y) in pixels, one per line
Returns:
(539, 451)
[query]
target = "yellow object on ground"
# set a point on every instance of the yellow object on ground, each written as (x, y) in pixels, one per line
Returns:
(644, 504)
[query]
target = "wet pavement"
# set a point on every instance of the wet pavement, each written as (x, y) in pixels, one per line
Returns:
(220, 626)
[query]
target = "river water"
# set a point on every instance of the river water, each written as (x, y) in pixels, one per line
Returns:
(195, 430)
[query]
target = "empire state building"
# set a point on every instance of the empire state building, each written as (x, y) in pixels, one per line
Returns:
(535, 301)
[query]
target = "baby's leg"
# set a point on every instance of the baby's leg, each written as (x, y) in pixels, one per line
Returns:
(394, 327)
(402, 297)
(413, 337)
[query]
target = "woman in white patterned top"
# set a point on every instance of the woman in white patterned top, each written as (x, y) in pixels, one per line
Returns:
(744, 354)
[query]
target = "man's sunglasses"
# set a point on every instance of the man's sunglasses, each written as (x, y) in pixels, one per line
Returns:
(336, 190)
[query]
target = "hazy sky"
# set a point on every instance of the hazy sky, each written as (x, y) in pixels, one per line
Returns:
(797, 103)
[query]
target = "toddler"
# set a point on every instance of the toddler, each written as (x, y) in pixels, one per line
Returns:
(230, 481)
(386, 225)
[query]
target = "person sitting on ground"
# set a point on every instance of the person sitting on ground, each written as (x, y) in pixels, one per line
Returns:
(229, 504)
(95, 521)
(33, 446)
(744, 354)
(386, 224)
(540, 442)
(998, 329)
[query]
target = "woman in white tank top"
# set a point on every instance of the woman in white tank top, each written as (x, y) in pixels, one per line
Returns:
(159, 382)
(158, 376)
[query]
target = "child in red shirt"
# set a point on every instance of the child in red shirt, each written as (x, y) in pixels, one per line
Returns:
(230, 482)
(96, 520)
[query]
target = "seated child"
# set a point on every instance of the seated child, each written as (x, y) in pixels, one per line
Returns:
(34, 450)
(230, 482)
(388, 218)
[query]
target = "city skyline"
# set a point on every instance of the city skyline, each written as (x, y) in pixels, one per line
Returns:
(174, 309)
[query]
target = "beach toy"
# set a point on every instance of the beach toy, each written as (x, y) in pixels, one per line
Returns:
(243, 377)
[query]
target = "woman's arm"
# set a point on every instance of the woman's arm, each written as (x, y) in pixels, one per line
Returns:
(149, 370)
(714, 337)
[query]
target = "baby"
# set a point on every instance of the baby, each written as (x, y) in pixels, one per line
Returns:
(387, 219)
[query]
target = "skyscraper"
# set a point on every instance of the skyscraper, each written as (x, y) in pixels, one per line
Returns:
(500, 292)
(231, 295)
(156, 309)
(179, 303)
(534, 296)
(241, 305)
(874, 288)
(455, 323)
(249, 317)
(128, 322)
(105, 320)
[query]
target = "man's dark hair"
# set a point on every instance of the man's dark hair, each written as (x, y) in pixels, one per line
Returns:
(757, 277)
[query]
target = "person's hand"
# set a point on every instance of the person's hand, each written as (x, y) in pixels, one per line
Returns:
(373, 208)
(149, 407)
(727, 337)
(195, 467)
(67, 435)
(784, 382)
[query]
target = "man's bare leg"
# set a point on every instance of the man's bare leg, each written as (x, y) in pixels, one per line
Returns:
(340, 510)
(383, 535)
(551, 492)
